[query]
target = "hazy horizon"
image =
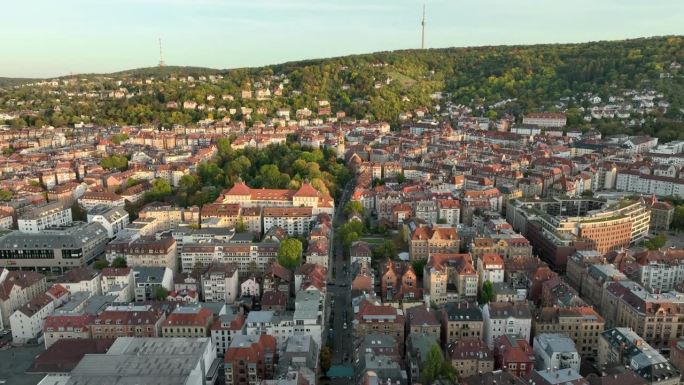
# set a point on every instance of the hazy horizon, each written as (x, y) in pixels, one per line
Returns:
(103, 36)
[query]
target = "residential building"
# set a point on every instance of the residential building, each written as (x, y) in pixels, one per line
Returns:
(622, 346)
(250, 359)
(295, 220)
(506, 318)
(426, 241)
(374, 318)
(583, 324)
(449, 277)
(226, 326)
(147, 280)
(398, 281)
(470, 356)
(128, 321)
(220, 283)
(557, 377)
(113, 219)
(27, 321)
(461, 320)
(545, 119)
(188, 321)
(83, 279)
(95, 198)
(418, 347)
(490, 267)
(421, 319)
(66, 326)
(115, 279)
(557, 351)
(17, 288)
(48, 215)
(147, 252)
(514, 354)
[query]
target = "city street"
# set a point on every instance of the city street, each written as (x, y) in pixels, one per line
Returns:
(339, 293)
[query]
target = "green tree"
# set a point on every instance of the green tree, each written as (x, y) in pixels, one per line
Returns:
(487, 293)
(656, 242)
(160, 190)
(119, 262)
(290, 253)
(118, 138)
(5, 195)
(678, 219)
(326, 359)
(160, 293)
(78, 213)
(240, 226)
(118, 162)
(353, 207)
(436, 368)
(100, 264)
(419, 266)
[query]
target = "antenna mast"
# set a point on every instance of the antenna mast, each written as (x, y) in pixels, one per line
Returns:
(422, 35)
(161, 54)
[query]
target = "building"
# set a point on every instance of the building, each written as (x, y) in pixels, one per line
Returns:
(398, 281)
(360, 251)
(66, 326)
(17, 288)
(550, 376)
(115, 279)
(27, 321)
(172, 361)
(295, 220)
(113, 219)
(188, 321)
(149, 281)
(470, 356)
(226, 326)
(583, 324)
(147, 252)
(514, 354)
(83, 279)
(622, 346)
(658, 318)
(545, 119)
(220, 283)
(659, 271)
(250, 359)
(53, 250)
(128, 321)
(418, 347)
(461, 320)
(317, 252)
(426, 241)
(493, 378)
(502, 318)
(423, 320)
(449, 277)
(306, 196)
(383, 319)
(552, 350)
(91, 199)
(490, 267)
(48, 215)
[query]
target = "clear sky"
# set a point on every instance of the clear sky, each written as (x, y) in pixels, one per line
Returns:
(43, 38)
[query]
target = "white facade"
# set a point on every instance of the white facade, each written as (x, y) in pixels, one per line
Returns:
(50, 215)
(113, 221)
(27, 326)
(555, 351)
(250, 287)
(649, 184)
(496, 325)
(220, 287)
(92, 286)
(293, 225)
(660, 276)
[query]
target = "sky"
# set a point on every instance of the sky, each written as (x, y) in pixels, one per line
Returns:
(46, 38)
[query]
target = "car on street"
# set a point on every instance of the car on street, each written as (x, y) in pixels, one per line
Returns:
(344, 326)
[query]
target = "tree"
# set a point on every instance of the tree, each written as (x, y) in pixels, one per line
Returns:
(78, 213)
(401, 178)
(118, 162)
(353, 207)
(119, 262)
(160, 293)
(290, 253)
(656, 242)
(118, 138)
(160, 190)
(100, 264)
(419, 266)
(240, 226)
(5, 195)
(487, 293)
(436, 368)
(326, 359)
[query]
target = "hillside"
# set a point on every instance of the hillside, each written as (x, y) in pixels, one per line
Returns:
(492, 80)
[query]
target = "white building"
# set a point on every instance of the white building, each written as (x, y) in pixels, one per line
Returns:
(308, 316)
(506, 318)
(635, 181)
(41, 217)
(148, 279)
(83, 279)
(250, 287)
(295, 220)
(27, 322)
(220, 283)
(113, 219)
(119, 281)
(556, 351)
(490, 267)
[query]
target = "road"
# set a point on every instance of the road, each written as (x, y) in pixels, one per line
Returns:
(340, 293)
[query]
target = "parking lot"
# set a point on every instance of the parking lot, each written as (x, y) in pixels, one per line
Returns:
(15, 361)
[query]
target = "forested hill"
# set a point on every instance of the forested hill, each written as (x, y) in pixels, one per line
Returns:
(379, 85)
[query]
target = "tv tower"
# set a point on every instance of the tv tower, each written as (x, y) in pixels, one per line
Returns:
(422, 35)
(161, 54)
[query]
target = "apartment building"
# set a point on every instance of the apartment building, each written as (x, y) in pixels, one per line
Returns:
(506, 318)
(188, 321)
(554, 350)
(374, 318)
(461, 320)
(545, 119)
(146, 252)
(245, 256)
(583, 324)
(513, 353)
(250, 359)
(295, 220)
(426, 241)
(17, 288)
(48, 215)
(450, 276)
(113, 219)
(305, 196)
(470, 356)
(220, 283)
(128, 321)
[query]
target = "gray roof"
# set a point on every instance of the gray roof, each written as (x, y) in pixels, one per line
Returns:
(58, 238)
(111, 214)
(151, 361)
(148, 274)
(555, 343)
(42, 210)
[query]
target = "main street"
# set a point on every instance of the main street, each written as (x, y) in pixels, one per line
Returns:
(339, 292)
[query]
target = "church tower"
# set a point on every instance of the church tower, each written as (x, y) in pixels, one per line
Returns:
(340, 145)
